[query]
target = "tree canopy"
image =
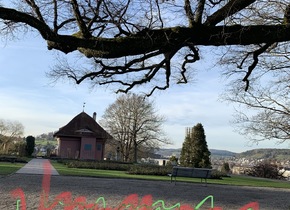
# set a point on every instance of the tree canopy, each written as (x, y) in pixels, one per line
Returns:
(152, 42)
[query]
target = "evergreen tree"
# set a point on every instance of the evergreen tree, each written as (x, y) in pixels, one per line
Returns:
(30, 144)
(194, 151)
(186, 150)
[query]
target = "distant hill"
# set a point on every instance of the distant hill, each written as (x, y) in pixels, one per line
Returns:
(278, 154)
(224, 153)
(169, 152)
(176, 152)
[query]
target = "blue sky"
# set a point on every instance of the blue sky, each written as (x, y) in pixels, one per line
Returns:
(28, 96)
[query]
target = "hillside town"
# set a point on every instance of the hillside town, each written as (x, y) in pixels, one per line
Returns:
(239, 164)
(243, 165)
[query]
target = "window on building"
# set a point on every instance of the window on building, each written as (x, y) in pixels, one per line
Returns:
(99, 147)
(88, 147)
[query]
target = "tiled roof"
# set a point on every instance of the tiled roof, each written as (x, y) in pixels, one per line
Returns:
(81, 125)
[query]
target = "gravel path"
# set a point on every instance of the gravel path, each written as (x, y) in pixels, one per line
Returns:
(115, 190)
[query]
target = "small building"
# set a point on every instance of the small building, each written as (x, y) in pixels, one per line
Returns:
(160, 162)
(240, 170)
(82, 138)
(163, 162)
(285, 172)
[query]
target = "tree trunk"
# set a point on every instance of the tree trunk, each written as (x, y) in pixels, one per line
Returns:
(135, 151)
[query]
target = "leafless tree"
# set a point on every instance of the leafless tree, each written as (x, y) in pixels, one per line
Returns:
(134, 42)
(9, 131)
(263, 112)
(266, 169)
(134, 124)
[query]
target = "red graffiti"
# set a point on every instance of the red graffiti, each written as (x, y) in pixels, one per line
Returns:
(131, 202)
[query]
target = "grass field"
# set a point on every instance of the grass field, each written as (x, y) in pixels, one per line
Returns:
(9, 168)
(44, 143)
(234, 180)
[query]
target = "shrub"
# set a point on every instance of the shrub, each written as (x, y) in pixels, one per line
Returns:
(104, 165)
(12, 159)
(265, 170)
(215, 174)
(141, 169)
(145, 169)
(225, 168)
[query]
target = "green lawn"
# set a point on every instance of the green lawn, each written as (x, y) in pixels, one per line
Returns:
(63, 170)
(44, 143)
(7, 168)
(234, 180)
(252, 181)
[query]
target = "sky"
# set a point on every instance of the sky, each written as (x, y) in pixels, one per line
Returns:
(27, 95)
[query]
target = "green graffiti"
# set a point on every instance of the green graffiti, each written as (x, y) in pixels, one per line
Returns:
(177, 205)
(204, 200)
(100, 199)
(17, 204)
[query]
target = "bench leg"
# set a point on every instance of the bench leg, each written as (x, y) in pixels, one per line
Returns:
(205, 180)
(174, 180)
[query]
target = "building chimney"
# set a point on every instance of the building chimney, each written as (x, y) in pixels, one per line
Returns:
(94, 116)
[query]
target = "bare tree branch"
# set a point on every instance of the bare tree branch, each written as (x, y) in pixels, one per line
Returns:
(232, 7)
(199, 12)
(189, 12)
(136, 42)
(36, 9)
(254, 64)
(82, 25)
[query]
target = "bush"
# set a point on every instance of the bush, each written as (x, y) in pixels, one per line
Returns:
(225, 168)
(265, 170)
(143, 169)
(215, 174)
(140, 169)
(12, 159)
(103, 165)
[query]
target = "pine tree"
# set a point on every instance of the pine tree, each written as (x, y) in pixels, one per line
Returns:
(194, 151)
(30, 144)
(186, 151)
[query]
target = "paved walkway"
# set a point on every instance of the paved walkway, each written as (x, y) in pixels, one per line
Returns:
(38, 166)
(74, 189)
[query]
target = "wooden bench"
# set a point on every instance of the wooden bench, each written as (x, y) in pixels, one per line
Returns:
(203, 173)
